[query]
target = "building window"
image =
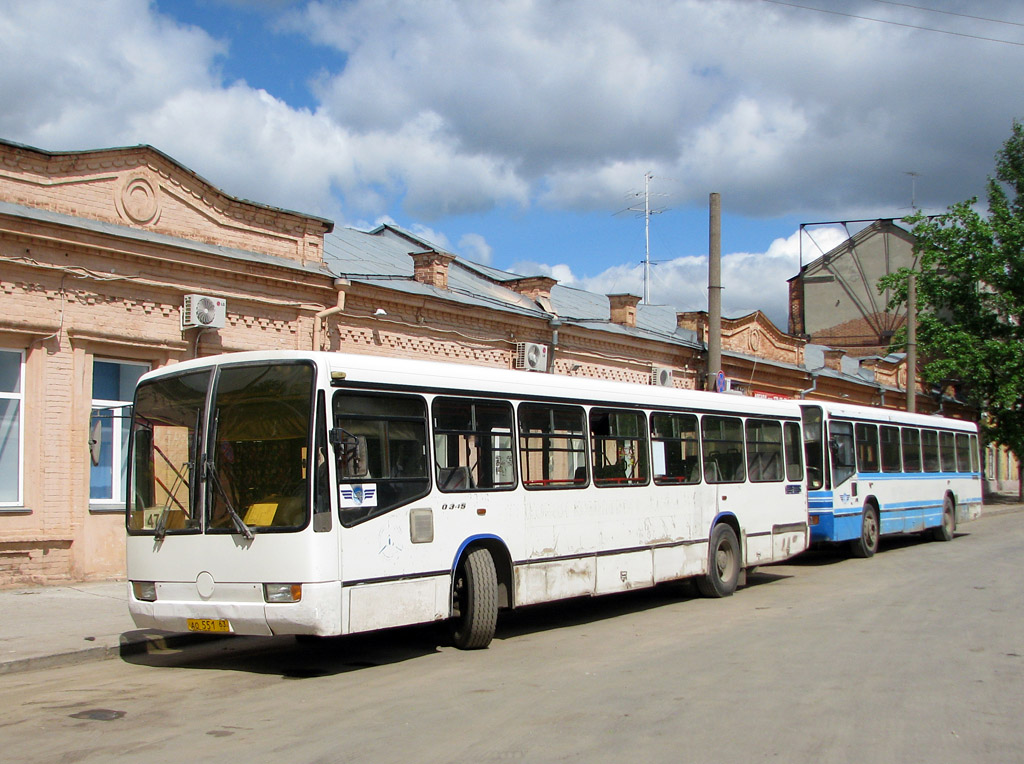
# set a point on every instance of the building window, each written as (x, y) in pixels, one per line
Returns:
(113, 386)
(12, 404)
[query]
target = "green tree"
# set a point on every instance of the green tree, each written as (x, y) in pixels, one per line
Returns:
(970, 298)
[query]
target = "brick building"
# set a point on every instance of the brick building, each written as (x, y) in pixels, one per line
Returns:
(99, 251)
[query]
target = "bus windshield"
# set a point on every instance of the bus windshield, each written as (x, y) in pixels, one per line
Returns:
(257, 463)
(256, 471)
(168, 415)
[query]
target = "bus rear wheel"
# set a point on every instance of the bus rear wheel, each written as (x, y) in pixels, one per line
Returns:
(475, 601)
(723, 563)
(946, 530)
(867, 544)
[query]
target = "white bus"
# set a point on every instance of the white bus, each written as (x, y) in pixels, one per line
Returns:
(326, 494)
(873, 472)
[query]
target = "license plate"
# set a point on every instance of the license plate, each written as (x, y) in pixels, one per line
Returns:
(217, 625)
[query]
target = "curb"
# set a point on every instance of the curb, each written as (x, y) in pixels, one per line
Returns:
(127, 646)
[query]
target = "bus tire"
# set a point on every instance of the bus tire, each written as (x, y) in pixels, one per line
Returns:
(475, 601)
(946, 529)
(724, 563)
(867, 544)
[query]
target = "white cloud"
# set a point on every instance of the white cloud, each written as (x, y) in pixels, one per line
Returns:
(751, 280)
(459, 107)
(474, 247)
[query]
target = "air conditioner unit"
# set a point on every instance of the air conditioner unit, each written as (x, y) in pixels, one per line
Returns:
(661, 376)
(203, 311)
(531, 356)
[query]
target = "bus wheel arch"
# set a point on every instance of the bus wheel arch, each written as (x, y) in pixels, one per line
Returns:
(866, 544)
(481, 584)
(947, 527)
(725, 559)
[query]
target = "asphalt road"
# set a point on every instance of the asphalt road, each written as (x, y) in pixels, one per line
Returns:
(916, 655)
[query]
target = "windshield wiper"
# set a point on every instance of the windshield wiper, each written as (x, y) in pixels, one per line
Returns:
(240, 526)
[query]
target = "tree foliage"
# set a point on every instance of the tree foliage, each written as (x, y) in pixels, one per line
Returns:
(970, 297)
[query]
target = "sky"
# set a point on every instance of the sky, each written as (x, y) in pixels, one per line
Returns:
(519, 133)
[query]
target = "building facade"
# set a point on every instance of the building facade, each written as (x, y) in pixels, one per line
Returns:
(835, 301)
(105, 257)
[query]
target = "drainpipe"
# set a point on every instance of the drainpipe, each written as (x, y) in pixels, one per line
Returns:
(812, 388)
(341, 285)
(555, 323)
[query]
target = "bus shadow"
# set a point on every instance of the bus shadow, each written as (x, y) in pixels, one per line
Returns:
(290, 657)
(309, 658)
(832, 554)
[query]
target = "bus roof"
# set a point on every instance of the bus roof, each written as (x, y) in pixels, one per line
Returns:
(890, 416)
(440, 376)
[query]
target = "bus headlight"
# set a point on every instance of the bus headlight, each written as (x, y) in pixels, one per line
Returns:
(144, 591)
(282, 592)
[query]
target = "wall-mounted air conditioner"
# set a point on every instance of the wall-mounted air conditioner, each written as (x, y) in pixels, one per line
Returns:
(204, 312)
(531, 356)
(661, 376)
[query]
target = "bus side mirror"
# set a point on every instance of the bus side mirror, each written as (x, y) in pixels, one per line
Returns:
(351, 451)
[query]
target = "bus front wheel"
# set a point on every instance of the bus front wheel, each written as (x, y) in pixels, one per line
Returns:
(475, 601)
(723, 563)
(867, 544)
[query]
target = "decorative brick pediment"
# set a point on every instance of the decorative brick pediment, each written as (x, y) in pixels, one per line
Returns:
(140, 187)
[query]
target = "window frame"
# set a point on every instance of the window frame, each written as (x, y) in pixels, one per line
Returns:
(911, 447)
(387, 462)
(18, 396)
(865, 435)
(713, 476)
(640, 465)
(471, 484)
(121, 411)
(660, 448)
(891, 462)
(545, 437)
(755, 449)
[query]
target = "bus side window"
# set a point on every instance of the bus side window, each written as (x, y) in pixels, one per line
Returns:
(552, 446)
(676, 443)
(618, 444)
(380, 442)
(722, 448)
(794, 453)
(814, 446)
(890, 442)
(911, 438)
(473, 445)
(867, 447)
(764, 451)
(840, 445)
(930, 450)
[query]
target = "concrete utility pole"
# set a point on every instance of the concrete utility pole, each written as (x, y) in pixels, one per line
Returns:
(912, 342)
(714, 290)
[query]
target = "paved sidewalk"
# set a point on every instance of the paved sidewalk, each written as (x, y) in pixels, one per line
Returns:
(47, 626)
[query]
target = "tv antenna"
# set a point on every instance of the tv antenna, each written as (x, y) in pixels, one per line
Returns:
(913, 188)
(647, 212)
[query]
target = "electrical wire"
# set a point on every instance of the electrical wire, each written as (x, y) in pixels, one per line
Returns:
(894, 23)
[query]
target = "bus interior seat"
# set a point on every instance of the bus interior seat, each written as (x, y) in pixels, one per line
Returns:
(454, 478)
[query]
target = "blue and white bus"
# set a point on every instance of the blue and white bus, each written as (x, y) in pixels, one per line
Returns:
(873, 472)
